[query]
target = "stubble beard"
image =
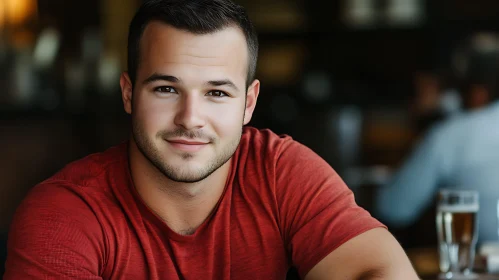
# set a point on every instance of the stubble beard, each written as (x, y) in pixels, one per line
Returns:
(151, 152)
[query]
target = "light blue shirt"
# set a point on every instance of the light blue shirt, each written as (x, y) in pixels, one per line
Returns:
(461, 153)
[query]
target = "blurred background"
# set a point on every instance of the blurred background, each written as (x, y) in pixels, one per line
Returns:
(358, 81)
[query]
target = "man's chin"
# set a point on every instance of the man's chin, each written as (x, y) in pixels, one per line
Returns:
(183, 173)
(186, 178)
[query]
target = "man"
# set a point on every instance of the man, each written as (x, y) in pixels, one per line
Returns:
(459, 153)
(193, 194)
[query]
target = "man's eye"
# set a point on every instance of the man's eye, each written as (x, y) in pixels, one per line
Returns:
(217, 93)
(165, 89)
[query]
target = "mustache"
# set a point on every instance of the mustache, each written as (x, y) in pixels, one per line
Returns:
(189, 134)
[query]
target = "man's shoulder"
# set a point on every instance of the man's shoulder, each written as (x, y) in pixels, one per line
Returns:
(263, 151)
(50, 205)
(84, 172)
(54, 225)
(56, 196)
(264, 141)
(80, 185)
(487, 116)
(272, 145)
(74, 195)
(263, 135)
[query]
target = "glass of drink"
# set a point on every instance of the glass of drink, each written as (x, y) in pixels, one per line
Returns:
(457, 229)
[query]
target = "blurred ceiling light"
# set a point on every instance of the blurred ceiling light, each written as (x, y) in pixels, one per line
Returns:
(405, 12)
(46, 48)
(485, 43)
(359, 13)
(109, 73)
(481, 44)
(17, 12)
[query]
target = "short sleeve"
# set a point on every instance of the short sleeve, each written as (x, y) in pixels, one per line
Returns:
(54, 235)
(317, 210)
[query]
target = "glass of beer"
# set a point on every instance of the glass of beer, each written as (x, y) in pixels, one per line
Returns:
(457, 229)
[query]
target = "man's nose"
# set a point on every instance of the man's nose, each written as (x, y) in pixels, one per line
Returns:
(189, 114)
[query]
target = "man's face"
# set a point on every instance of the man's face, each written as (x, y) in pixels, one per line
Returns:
(188, 104)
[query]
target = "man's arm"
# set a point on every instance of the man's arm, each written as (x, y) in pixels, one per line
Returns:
(328, 236)
(372, 255)
(54, 235)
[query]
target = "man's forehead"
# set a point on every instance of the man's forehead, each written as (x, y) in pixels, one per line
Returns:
(163, 45)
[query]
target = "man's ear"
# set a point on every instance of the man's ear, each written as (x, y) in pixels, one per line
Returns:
(126, 92)
(251, 98)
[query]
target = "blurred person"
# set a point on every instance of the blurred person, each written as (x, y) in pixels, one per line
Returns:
(194, 194)
(457, 153)
(425, 108)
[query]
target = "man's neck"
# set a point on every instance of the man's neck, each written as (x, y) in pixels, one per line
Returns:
(182, 206)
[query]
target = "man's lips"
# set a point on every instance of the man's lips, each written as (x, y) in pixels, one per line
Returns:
(187, 145)
(187, 142)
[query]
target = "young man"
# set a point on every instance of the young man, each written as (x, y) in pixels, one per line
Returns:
(193, 194)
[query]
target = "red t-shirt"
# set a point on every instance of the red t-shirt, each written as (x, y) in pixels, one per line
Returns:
(282, 205)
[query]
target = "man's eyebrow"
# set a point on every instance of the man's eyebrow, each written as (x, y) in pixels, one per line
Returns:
(160, 77)
(226, 82)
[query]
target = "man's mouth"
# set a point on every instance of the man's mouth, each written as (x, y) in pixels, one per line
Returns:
(187, 145)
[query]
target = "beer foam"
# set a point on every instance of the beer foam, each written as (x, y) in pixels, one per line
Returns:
(459, 208)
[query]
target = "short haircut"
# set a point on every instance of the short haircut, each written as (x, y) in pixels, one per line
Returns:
(195, 16)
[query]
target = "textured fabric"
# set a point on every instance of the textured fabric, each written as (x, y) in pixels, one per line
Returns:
(282, 206)
(460, 153)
